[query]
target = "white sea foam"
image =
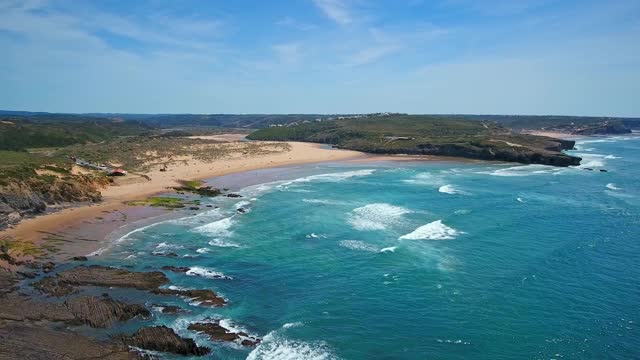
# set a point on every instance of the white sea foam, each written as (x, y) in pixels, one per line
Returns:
(324, 202)
(316, 236)
(388, 249)
(292, 325)
(207, 273)
(222, 243)
(218, 228)
(358, 245)
(524, 170)
(276, 347)
(612, 186)
(377, 216)
(331, 177)
(612, 157)
(423, 179)
(462, 212)
(519, 200)
(450, 189)
(164, 245)
(432, 231)
(203, 250)
(590, 160)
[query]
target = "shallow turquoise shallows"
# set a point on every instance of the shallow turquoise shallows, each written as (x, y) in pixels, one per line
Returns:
(410, 260)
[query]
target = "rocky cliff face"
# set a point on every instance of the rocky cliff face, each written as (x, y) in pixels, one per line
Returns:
(549, 154)
(22, 197)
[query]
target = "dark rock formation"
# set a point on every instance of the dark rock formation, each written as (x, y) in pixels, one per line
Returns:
(165, 254)
(103, 312)
(107, 276)
(79, 258)
(170, 309)
(162, 338)
(216, 332)
(99, 312)
(48, 267)
(232, 195)
(177, 269)
(204, 297)
(52, 287)
(8, 281)
(24, 341)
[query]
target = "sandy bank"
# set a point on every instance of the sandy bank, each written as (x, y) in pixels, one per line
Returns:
(553, 134)
(70, 220)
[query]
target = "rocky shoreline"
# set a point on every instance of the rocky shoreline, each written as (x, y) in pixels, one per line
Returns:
(36, 312)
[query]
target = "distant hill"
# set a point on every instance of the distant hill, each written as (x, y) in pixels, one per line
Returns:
(570, 124)
(428, 135)
(18, 133)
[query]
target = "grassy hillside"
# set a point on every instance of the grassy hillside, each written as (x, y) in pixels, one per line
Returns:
(19, 133)
(427, 135)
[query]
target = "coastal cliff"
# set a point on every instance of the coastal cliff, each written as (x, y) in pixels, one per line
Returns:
(33, 194)
(417, 135)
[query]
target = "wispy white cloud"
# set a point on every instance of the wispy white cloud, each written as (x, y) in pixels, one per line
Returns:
(288, 21)
(288, 53)
(373, 54)
(336, 10)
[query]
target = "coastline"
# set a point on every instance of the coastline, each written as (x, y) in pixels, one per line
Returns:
(98, 220)
(85, 228)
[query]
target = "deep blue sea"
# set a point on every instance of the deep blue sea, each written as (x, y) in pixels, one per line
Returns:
(415, 260)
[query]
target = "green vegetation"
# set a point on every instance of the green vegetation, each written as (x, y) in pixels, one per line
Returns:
(196, 187)
(20, 133)
(427, 135)
(141, 153)
(163, 201)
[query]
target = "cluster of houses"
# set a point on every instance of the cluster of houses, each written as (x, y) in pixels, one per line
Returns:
(100, 167)
(342, 117)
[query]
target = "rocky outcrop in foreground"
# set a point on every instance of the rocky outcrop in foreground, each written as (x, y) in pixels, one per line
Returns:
(162, 338)
(19, 198)
(64, 283)
(97, 312)
(26, 341)
(219, 333)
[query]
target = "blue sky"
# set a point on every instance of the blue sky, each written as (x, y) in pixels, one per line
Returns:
(321, 56)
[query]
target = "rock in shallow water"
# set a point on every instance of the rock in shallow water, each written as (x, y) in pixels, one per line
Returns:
(162, 338)
(217, 332)
(203, 297)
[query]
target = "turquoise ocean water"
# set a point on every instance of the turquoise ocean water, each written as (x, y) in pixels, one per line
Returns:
(412, 260)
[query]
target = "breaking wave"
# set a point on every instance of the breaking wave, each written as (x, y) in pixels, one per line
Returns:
(377, 216)
(222, 243)
(218, 228)
(432, 231)
(524, 170)
(358, 245)
(277, 347)
(612, 186)
(331, 177)
(207, 273)
(324, 202)
(449, 189)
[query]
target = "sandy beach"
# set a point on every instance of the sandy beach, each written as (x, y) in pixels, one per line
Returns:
(86, 227)
(553, 134)
(110, 214)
